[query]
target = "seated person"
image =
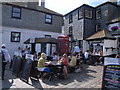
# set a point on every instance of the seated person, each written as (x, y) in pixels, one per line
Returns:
(73, 60)
(55, 57)
(65, 59)
(72, 63)
(100, 53)
(35, 55)
(39, 55)
(81, 57)
(41, 63)
(95, 52)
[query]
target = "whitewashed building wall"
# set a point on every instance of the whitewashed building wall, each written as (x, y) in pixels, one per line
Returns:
(109, 43)
(25, 34)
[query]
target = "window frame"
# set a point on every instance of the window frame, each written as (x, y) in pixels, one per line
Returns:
(97, 14)
(48, 36)
(12, 40)
(71, 30)
(96, 27)
(70, 18)
(13, 12)
(91, 13)
(79, 14)
(48, 18)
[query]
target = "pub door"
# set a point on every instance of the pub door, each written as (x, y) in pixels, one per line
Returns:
(32, 47)
(43, 47)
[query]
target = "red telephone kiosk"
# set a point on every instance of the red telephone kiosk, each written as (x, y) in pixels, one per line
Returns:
(63, 45)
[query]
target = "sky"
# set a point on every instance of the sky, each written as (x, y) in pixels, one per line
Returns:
(65, 6)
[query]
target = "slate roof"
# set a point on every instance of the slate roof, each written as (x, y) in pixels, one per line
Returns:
(104, 34)
(39, 9)
(42, 40)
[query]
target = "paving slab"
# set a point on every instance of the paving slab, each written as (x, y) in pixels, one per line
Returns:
(89, 77)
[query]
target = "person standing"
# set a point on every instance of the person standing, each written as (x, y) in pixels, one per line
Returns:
(76, 49)
(5, 58)
(18, 52)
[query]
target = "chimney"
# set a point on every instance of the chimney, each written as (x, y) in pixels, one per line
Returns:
(113, 1)
(33, 5)
(42, 3)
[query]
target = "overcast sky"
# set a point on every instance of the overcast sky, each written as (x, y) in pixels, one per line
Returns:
(65, 6)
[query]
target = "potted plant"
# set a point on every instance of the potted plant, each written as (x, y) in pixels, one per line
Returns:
(114, 28)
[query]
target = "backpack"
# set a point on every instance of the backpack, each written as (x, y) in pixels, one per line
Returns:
(3, 56)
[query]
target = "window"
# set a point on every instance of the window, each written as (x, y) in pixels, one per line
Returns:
(48, 19)
(98, 14)
(48, 36)
(70, 18)
(16, 12)
(88, 13)
(98, 27)
(15, 36)
(80, 14)
(70, 30)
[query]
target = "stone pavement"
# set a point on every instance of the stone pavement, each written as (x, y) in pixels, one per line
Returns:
(89, 77)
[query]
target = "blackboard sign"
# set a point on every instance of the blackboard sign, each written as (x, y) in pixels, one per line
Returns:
(26, 70)
(111, 74)
(16, 65)
(34, 72)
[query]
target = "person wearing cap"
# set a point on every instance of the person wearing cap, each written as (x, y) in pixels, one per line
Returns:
(5, 58)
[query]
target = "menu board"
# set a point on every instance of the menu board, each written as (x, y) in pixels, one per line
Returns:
(26, 70)
(111, 74)
(16, 65)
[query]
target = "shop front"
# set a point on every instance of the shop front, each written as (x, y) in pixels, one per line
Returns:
(103, 41)
(46, 45)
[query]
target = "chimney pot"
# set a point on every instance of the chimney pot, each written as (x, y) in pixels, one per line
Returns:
(42, 3)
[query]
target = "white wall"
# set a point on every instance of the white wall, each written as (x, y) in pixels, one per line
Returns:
(95, 46)
(25, 34)
(0, 36)
(85, 46)
(109, 43)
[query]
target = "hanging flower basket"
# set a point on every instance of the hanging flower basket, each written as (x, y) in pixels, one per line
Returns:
(114, 28)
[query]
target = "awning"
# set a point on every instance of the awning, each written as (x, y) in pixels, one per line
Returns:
(104, 34)
(42, 40)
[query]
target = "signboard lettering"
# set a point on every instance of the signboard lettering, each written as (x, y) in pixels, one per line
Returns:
(111, 74)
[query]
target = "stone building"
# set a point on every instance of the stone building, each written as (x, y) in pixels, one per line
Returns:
(86, 20)
(26, 20)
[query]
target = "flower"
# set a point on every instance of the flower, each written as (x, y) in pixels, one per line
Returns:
(114, 28)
